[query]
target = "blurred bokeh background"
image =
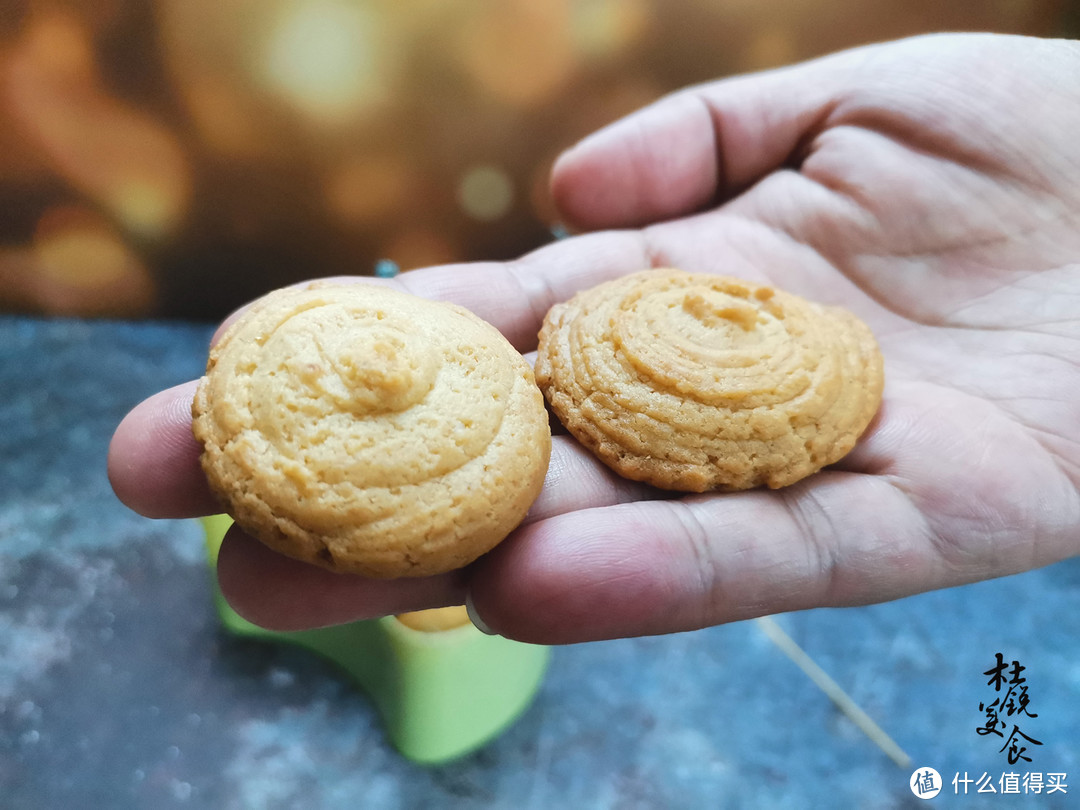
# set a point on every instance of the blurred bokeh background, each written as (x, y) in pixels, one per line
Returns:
(176, 158)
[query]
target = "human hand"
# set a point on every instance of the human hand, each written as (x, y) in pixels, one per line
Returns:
(931, 186)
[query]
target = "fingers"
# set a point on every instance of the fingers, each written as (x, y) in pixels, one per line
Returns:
(514, 296)
(632, 568)
(153, 458)
(659, 162)
(668, 566)
(278, 593)
(692, 148)
(575, 480)
(154, 468)
(283, 594)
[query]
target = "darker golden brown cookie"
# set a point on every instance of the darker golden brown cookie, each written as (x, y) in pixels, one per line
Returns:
(370, 431)
(701, 382)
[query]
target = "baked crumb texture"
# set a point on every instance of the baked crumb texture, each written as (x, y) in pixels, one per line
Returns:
(700, 382)
(371, 432)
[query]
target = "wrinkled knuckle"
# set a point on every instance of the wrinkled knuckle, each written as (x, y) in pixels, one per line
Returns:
(705, 603)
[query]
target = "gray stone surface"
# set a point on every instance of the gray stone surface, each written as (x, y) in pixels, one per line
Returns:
(117, 689)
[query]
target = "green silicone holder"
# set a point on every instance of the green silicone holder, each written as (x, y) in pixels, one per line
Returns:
(440, 694)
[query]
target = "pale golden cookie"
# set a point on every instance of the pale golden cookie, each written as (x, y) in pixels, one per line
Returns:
(370, 431)
(435, 620)
(701, 382)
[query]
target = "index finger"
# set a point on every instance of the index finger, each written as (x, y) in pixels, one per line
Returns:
(515, 295)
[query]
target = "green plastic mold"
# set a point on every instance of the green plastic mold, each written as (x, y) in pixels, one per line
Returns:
(441, 694)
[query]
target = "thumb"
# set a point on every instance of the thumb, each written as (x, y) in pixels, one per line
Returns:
(697, 146)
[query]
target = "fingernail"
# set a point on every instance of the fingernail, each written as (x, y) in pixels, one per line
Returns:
(474, 617)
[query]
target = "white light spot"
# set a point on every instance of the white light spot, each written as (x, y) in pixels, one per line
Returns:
(486, 193)
(322, 58)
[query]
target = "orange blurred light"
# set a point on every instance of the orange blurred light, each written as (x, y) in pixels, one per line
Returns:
(75, 248)
(419, 247)
(367, 189)
(519, 51)
(605, 28)
(771, 47)
(77, 264)
(59, 43)
(223, 117)
(115, 154)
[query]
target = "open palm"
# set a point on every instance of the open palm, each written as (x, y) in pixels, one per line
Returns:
(932, 186)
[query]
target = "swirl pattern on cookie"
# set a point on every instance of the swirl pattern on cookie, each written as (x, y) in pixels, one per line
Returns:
(370, 431)
(699, 382)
